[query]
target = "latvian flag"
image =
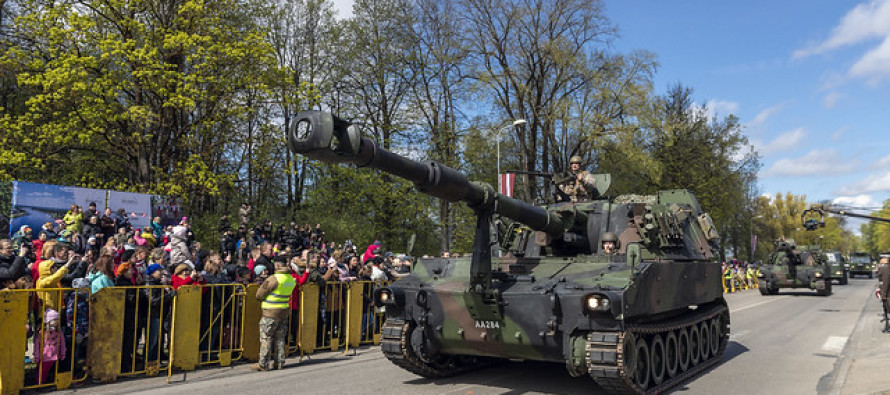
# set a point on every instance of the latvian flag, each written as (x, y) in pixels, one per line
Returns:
(507, 181)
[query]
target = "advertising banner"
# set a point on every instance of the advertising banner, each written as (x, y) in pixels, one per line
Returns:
(136, 205)
(34, 204)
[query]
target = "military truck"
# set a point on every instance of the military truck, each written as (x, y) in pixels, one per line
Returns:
(838, 266)
(791, 267)
(862, 263)
(640, 318)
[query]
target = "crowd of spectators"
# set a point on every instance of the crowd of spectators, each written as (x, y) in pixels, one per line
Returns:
(90, 250)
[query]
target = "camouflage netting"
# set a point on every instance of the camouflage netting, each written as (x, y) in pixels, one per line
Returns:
(648, 199)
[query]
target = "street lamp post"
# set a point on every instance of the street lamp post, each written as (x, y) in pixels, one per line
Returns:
(516, 123)
(753, 243)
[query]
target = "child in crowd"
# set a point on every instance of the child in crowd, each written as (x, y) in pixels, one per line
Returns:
(77, 312)
(50, 345)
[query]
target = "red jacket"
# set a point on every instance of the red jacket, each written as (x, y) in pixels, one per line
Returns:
(369, 252)
(295, 296)
(178, 282)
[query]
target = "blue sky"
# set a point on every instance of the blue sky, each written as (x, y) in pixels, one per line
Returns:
(808, 79)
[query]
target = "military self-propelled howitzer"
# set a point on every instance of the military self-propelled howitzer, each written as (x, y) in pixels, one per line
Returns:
(640, 319)
(792, 266)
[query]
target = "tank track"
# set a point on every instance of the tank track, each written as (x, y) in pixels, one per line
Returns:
(395, 344)
(606, 354)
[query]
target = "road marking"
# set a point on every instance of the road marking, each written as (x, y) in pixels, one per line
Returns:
(835, 344)
(736, 336)
(759, 303)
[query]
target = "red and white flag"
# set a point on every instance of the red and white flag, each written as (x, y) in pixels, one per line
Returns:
(507, 182)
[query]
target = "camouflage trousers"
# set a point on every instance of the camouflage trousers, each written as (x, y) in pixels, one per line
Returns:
(273, 337)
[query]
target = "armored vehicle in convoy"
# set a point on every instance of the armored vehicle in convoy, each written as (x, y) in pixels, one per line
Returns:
(640, 318)
(792, 267)
(838, 267)
(861, 263)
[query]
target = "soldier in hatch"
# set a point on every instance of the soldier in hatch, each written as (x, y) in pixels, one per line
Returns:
(581, 185)
(610, 243)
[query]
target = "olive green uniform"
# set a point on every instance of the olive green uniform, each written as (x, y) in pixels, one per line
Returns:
(884, 284)
(580, 187)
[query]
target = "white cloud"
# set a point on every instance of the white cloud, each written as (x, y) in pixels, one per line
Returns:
(879, 182)
(865, 21)
(862, 200)
(762, 116)
(836, 136)
(882, 163)
(784, 141)
(830, 100)
(875, 64)
(722, 107)
(815, 163)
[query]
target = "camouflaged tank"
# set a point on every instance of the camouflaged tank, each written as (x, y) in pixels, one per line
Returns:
(790, 266)
(640, 319)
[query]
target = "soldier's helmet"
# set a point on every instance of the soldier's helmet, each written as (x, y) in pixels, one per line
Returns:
(609, 236)
(576, 159)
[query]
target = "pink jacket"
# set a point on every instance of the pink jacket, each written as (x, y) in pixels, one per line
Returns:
(50, 347)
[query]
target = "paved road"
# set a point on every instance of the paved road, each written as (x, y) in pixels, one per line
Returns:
(791, 343)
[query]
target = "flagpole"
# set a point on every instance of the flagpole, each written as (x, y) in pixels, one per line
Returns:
(498, 139)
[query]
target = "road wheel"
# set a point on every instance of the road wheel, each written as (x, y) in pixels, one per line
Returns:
(657, 359)
(683, 349)
(704, 334)
(826, 288)
(671, 354)
(764, 289)
(716, 335)
(694, 346)
(630, 354)
(643, 364)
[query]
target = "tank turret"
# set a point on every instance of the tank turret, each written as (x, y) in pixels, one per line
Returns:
(640, 315)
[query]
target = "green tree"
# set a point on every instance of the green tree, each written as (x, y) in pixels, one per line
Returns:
(145, 93)
(708, 156)
(548, 62)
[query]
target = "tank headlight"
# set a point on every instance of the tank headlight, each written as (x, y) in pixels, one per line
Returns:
(818, 274)
(759, 274)
(597, 303)
(383, 297)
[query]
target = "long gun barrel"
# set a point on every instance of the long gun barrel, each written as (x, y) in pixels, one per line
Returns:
(322, 136)
(812, 223)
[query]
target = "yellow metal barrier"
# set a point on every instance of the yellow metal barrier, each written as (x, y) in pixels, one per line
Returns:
(333, 317)
(185, 331)
(309, 313)
(250, 341)
(371, 316)
(39, 350)
(13, 315)
(132, 338)
(107, 318)
(220, 332)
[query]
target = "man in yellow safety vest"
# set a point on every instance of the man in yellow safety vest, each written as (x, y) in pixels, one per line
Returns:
(275, 293)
